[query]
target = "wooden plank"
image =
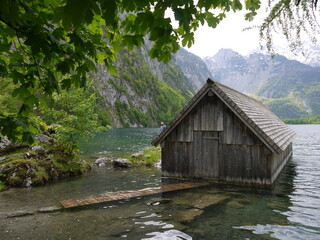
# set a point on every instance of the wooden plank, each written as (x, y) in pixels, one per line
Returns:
(107, 197)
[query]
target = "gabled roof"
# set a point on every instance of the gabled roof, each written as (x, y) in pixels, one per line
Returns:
(275, 134)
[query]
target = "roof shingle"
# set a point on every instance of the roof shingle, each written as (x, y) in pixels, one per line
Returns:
(264, 123)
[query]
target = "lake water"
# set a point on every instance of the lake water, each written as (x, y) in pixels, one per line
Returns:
(291, 210)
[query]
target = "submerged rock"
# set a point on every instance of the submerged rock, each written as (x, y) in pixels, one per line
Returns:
(19, 214)
(190, 214)
(49, 209)
(121, 163)
(235, 204)
(208, 200)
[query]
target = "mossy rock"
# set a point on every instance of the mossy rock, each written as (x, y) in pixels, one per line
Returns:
(27, 167)
(149, 157)
(20, 172)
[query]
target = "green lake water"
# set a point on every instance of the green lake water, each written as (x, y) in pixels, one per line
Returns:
(291, 210)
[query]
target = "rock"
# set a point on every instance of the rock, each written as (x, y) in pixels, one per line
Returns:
(2, 158)
(147, 156)
(208, 200)
(137, 155)
(6, 169)
(157, 201)
(28, 181)
(39, 149)
(121, 163)
(157, 165)
(235, 204)
(42, 138)
(6, 145)
(102, 162)
(19, 214)
(190, 214)
(49, 209)
(30, 155)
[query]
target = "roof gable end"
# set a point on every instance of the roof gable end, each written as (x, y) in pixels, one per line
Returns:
(263, 123)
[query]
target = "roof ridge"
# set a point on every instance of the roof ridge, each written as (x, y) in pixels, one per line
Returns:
(258, 117)
(234, 90)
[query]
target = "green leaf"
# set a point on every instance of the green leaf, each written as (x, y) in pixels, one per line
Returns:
(21, 92)
(3, 71)
(74, 12)
(64, 66)
(188, 39)
(83, 82)
(112, 69)
(109, 11)
(133, 41)
(5, 47)
(250, 16)
(236, 5)
(66, 83)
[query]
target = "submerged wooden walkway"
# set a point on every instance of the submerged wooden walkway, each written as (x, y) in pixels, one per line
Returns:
(107, 197)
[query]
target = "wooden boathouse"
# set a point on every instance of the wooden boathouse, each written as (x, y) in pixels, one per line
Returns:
(227, 136)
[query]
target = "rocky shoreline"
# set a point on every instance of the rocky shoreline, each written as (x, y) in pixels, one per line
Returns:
(26, 166)
(150, 157)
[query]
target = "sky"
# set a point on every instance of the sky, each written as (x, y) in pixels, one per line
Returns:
(230, 34)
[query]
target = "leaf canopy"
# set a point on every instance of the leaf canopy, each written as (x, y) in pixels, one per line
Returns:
(50, 45)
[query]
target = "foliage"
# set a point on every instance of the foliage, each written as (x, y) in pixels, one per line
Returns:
(134, 114)
(72, 116)
(292, 19)
(143, 98)
(51, 45)
(308, 120)
(2, 185)
(24, 165)
(290, 106)
(8, 103)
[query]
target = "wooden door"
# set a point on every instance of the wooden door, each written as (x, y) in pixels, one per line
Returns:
(206, 154)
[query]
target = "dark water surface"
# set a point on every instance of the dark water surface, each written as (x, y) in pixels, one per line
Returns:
(291, 210)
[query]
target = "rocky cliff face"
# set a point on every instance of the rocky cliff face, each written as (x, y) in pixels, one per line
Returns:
(290, 88)
(192, 66)
(145, 91)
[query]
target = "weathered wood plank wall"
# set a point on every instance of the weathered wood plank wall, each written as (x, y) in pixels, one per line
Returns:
(212, 142)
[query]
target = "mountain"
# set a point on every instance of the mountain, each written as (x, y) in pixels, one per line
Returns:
(192, 66)
(290, 88)
(145, 91)
(309, 54)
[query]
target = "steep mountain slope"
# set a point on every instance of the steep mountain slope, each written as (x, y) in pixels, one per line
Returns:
(192, 66)
(291, 89)
(144, 91)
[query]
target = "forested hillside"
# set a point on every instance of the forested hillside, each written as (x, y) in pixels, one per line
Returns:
(143, 92)
(289, 88)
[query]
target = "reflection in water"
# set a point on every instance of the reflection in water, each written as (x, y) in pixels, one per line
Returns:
(304, 207)
(289, 211)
